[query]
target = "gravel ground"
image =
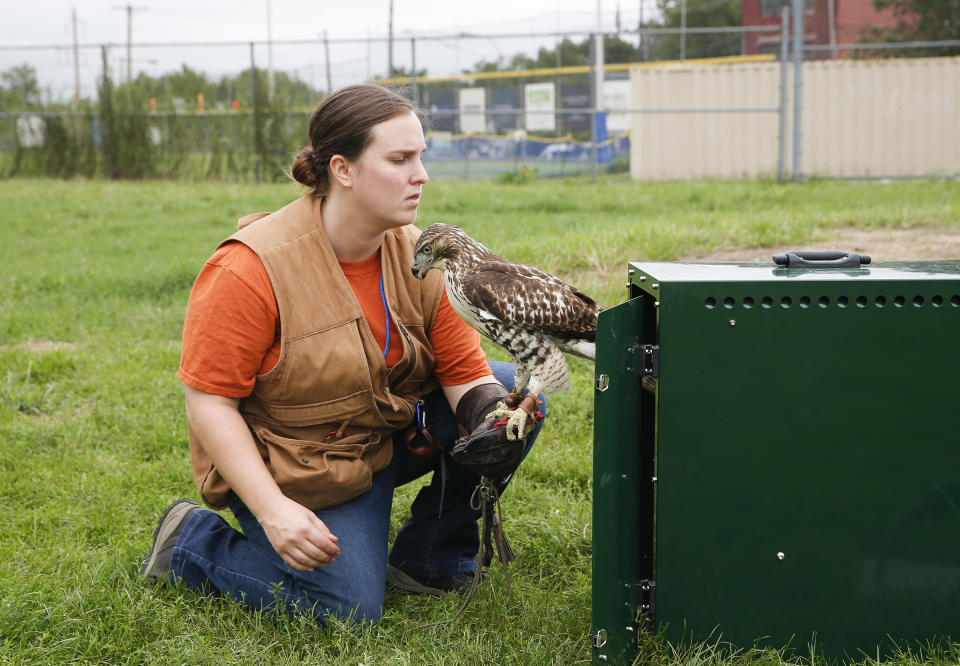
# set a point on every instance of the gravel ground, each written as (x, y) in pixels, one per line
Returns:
(921, 243)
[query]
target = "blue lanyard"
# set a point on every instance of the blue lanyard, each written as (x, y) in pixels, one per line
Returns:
(386, 315)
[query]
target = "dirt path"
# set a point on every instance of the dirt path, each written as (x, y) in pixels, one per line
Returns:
(880, 244)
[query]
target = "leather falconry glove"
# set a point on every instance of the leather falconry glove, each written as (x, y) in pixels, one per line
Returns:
(483, 446)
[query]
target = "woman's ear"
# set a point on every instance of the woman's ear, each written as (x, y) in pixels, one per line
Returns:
(341, 170)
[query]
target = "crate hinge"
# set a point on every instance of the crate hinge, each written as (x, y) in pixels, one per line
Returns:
(650, 361)
(647, 603)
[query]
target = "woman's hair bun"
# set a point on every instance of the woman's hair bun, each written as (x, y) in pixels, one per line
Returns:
(303, 167)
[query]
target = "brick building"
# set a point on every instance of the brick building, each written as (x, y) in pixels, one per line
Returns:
(849, 18)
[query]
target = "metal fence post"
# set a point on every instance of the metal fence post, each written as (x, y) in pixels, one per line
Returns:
(413, 70)
(106, 116)
(256, 124)
(326, 56)
(797, 11)
(784, 43)
(597, 90)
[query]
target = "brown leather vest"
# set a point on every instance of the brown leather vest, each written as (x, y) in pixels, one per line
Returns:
(323, 416)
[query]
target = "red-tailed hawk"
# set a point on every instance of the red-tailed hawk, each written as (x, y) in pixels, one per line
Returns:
(531, 314)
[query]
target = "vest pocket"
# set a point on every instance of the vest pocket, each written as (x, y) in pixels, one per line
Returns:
(320, 474)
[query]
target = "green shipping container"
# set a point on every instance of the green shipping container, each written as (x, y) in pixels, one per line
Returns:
(777, 458)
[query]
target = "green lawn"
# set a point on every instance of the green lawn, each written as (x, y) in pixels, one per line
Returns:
(94, 278)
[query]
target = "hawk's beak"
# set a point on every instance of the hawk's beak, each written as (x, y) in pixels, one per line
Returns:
(419, 267)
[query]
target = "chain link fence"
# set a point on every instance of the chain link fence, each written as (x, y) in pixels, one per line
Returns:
(527, 104)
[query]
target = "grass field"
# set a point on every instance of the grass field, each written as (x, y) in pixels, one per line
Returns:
(94, 280)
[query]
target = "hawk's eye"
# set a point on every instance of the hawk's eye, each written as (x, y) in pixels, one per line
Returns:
(427, 249)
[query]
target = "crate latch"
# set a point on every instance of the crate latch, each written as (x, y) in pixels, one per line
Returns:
(650, 361)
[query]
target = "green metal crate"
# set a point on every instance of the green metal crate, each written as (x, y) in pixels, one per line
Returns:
(777, 458)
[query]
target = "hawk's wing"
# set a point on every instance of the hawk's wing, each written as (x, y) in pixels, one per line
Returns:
(532, 299)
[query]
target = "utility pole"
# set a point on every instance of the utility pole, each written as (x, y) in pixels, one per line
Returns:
(76, 61)
(390, 43)
(271, 82)
(643, 54)
(130, 9)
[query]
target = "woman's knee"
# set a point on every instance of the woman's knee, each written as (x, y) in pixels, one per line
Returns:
(364, 611)
(352, 599)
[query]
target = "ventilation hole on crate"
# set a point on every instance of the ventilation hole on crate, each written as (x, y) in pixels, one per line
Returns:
(918, 301)
(804, 301)
(899, 301)
(861, 301)
(729, 302)
(823, 301)
(880, 301)
(842, 301)
(937, 301)
(711, 302)
(747, 302)
(786, 302)
(955, 301)
(767, 302)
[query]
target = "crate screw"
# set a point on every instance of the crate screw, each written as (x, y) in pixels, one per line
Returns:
(655, 285)
(631, 271)
(643, 278)
(733, 322)
(654, 479)
(623, 476)
(629, 628)
(780, 556)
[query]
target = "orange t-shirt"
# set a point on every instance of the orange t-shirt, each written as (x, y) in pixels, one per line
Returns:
(231, 332)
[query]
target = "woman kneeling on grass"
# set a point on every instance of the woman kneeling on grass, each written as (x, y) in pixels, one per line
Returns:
(309, 349)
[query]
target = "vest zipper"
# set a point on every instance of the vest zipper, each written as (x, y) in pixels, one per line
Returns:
(413, 355)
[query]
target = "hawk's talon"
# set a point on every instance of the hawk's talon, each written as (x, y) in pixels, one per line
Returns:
(501, 412)
(518, 421)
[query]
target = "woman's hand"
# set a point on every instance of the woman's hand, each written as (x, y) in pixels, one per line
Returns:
(298, 536)
(295, 532)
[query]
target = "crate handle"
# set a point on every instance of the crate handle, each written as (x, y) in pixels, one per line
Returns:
(820, 259)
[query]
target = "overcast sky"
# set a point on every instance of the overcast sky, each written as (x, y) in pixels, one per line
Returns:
(173, 21)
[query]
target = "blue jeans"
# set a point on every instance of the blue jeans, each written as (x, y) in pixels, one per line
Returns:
(436, 541)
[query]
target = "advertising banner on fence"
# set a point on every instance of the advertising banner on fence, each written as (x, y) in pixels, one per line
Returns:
(616, 101)
(575, 96)
(473, 108)
(504, 97)
(441, 110)
(540, 103)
